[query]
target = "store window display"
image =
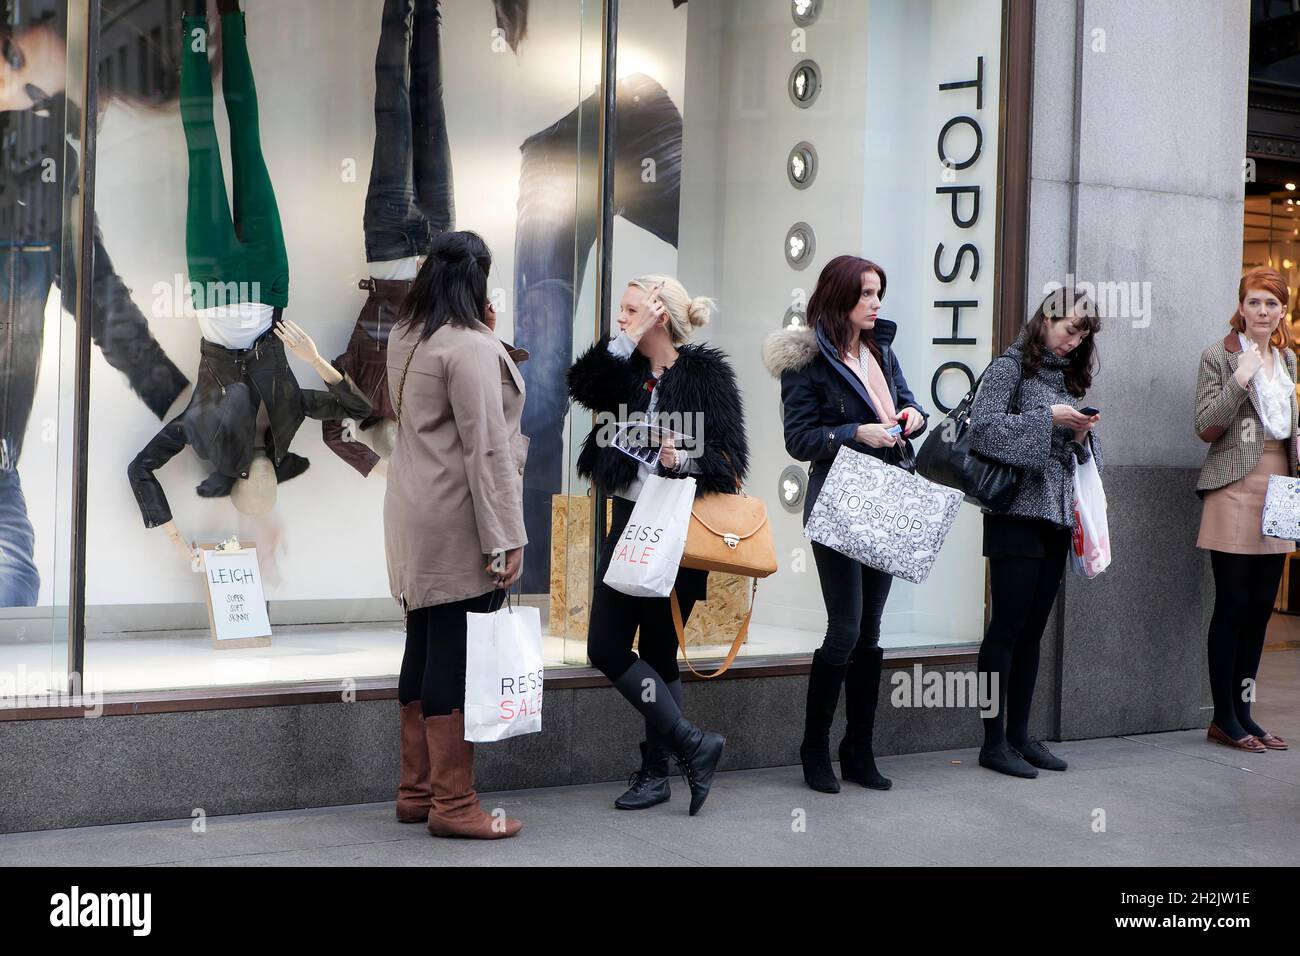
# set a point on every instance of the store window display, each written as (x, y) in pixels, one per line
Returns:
(239, 280)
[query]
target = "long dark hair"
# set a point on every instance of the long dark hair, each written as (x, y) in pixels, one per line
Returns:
(839, 287)
(1058, 306)
(451, 286)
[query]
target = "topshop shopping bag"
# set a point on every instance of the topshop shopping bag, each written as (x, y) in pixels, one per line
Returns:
(1090, 553)
(649, 552)
(882, 516)
(503, 673)
(1282, 508)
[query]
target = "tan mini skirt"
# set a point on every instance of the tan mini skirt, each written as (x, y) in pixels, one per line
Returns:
(1233, 515)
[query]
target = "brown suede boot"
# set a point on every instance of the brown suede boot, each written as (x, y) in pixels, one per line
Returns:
(456, 811)
(414, 791)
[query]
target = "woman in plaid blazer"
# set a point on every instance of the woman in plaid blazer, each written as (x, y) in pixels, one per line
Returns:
(1246, 410)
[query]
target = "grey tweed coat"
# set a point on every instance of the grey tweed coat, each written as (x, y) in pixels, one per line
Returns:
(1227, 416)
(1044, 452)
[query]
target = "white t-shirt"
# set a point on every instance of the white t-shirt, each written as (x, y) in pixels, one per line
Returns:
(235, 326)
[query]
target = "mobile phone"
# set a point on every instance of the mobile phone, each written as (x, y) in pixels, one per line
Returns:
(1089, 410)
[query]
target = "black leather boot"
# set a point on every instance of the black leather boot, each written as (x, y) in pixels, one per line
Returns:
(697, 753)
(861, 696)
(648, 786)
(824, 681)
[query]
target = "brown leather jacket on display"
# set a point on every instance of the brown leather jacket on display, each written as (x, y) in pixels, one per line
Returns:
(366, 360)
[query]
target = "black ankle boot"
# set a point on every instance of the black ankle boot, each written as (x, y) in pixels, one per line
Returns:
(697, 753)
(861, 696)
(648, 786)
(824, 681)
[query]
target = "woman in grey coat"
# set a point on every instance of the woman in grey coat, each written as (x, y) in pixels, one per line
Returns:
(1043, 437)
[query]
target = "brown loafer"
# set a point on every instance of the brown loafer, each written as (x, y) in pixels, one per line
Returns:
(1273, 742)
(1249, 743)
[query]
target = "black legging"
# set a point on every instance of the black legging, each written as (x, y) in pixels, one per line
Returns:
(616, 617)
(433, 665)
(1023, 591)
(1245, 586)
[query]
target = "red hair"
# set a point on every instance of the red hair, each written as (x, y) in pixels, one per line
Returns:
(1271, 281)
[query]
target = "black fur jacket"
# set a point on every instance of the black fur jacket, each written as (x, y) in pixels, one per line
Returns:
(700, 387)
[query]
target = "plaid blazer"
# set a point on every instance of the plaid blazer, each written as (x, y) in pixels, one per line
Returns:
(1227, 416)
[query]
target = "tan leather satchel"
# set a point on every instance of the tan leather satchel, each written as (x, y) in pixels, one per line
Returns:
(728, 533)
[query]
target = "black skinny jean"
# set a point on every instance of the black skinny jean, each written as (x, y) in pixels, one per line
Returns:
(616, 617)
(855, 597)
(409, 199)
(1026, 561)
(433, 664)
(1245, 586)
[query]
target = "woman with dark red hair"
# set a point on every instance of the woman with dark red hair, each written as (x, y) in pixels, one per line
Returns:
(1246, 410)
(841, 384)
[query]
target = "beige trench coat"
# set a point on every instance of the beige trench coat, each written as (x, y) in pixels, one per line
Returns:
(455, 481)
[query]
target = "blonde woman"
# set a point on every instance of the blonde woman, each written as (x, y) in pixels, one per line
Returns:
(651, 368)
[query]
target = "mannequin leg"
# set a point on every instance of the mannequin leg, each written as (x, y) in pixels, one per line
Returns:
(432, 154)
(393, 226)
(257, 216)
(210, 244)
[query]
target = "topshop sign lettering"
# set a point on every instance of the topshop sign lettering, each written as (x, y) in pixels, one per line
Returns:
(959, 270)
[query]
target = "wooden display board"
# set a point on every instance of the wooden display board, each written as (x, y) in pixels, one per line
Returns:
(237, 613)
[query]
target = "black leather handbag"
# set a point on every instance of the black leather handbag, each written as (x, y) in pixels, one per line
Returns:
(946, 457)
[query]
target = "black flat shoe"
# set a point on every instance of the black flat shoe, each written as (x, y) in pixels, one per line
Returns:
(1039, 756)
(1005, 760)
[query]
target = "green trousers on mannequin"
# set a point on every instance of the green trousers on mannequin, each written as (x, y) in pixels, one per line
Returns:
(239, 258)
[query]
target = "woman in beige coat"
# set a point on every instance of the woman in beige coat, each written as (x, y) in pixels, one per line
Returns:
(1246, 411)
(453, 518)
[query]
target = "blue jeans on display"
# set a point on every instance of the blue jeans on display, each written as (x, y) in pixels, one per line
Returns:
(409, 199)
(554, 234)
(20, 583)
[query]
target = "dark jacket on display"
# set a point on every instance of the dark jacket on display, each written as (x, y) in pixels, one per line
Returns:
(700, 382)
(32, 259)
(823, 401)
(220, 422)
(366, 361)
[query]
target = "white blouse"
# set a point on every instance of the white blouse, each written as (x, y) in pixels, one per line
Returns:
(1274, 395)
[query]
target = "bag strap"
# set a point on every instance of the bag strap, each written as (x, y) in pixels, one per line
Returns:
(734, 474)
(1013, 400)
(735, 644)
(401, 386)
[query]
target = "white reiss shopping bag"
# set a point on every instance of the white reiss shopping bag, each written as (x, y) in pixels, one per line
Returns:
(503, 674)
(649, 551)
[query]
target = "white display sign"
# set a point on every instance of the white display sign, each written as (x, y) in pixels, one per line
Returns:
(236, 603)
